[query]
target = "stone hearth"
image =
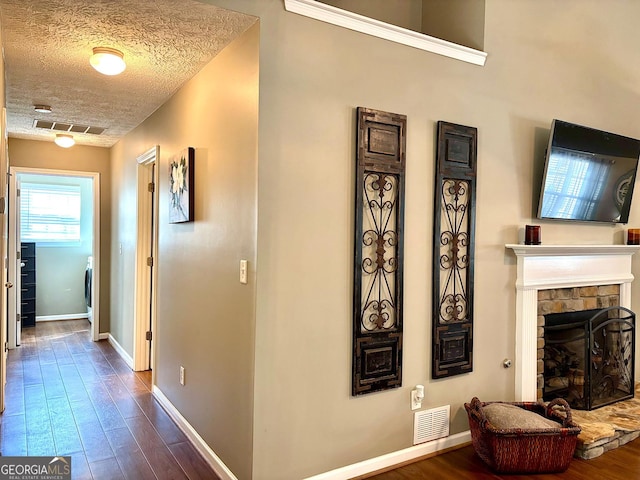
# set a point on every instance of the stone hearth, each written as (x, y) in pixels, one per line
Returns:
(608, 427)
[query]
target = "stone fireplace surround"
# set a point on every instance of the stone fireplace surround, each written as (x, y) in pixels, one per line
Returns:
(565, 300)
(546, 267)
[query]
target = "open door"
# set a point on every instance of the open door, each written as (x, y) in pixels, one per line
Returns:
(146, 248)
(4, 226)
(5, 300)
(13, 284)
(5, 297)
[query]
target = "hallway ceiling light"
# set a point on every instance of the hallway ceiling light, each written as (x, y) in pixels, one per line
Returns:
(42, 108)
(64, 140)
(107, 61)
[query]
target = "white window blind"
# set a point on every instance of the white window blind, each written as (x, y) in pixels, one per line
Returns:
(49, 213)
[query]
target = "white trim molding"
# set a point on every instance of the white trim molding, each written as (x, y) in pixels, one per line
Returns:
(121, 351)
(543, 267)
(394, 458)
(343, 473)
(198, 442)
(95, 288)
(376, 28)
(66, 316)
(146, 248)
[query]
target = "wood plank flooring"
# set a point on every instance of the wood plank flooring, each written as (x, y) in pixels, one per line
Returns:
(623, 463)
(67, 395)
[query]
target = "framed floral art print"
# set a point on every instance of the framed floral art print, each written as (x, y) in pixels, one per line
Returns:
(181, 186)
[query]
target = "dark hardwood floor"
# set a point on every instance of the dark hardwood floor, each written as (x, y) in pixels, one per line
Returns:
(67, 395)
(620, 464)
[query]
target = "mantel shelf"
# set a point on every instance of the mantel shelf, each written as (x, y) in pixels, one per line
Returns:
(567, 250)
(360, 23)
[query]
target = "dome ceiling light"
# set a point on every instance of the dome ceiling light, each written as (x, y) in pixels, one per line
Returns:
(108, 61)
(42, 108)
(64, 140)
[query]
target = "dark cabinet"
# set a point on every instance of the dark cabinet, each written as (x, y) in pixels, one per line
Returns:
(28, 284)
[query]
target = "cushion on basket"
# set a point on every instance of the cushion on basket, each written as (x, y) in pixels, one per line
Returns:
(504, 416)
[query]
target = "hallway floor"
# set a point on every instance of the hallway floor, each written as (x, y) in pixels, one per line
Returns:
(67, 395)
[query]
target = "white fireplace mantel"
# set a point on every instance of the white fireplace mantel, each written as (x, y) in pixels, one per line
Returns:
(542, 267)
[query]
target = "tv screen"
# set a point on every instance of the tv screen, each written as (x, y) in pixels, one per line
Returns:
(589, 174)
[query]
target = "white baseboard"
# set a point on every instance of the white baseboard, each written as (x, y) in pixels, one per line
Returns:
(209, 455)
(118, 348)
(66, 316)
(343, 473)
(104, 336)
(394, 458)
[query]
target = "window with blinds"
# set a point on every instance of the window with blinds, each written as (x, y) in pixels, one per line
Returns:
(50, 214)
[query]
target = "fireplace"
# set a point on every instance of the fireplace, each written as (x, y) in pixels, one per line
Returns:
(544, 267)
(589, 357)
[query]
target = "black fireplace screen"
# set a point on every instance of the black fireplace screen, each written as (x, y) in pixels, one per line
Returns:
(589, 357)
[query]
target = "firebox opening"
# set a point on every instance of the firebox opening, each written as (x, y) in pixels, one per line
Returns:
(589, 356)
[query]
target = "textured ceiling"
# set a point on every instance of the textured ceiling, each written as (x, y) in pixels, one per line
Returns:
(47, 46)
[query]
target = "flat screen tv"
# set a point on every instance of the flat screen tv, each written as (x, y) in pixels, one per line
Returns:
(589, 174)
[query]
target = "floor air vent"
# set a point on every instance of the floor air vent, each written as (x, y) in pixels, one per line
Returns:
(431, 424)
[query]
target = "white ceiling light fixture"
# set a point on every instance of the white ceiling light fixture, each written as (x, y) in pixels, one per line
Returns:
(64, 140)
(108, 61)
(42, 108)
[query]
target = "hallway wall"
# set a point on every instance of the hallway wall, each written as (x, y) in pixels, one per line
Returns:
(205, 316)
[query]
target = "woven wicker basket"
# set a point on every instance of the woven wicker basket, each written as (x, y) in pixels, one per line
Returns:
(524, 450)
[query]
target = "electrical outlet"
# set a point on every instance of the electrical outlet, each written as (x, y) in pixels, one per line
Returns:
(243, 271)
(181, 375)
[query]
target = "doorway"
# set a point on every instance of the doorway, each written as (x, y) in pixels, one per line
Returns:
(58, 224)
(146, 258)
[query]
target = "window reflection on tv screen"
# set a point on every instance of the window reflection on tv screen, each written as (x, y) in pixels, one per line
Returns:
(589, 174)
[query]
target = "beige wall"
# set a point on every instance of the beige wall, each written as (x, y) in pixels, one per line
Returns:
(79, 158)
(573, 60)
(205, 317)
(458, 21)
(405, 13)
(288, 412)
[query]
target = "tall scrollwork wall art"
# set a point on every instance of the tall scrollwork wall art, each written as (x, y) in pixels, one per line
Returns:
(453, 250)
(378, 273)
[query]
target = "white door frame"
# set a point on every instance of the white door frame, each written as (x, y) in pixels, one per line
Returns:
(14, 272)
(146, 276)
(4, 175)
(95, 284)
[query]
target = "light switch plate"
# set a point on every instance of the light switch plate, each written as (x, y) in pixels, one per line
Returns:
(243, 271)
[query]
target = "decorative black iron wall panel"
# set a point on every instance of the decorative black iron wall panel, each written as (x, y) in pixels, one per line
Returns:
(378, 272)
(453, 250)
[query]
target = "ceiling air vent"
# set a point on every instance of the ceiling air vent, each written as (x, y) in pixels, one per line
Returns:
(67, 127)
(61, 127)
